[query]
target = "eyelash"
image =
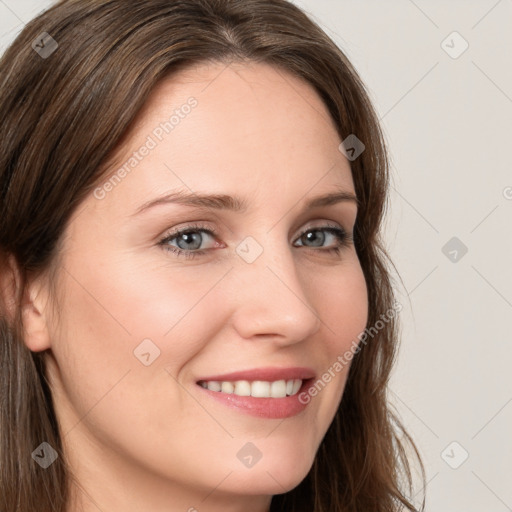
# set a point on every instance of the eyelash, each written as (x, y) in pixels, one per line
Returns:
(344, 239)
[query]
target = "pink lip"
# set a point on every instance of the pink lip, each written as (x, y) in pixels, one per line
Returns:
(270, 408)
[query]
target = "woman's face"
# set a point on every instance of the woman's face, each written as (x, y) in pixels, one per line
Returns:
(141, 329)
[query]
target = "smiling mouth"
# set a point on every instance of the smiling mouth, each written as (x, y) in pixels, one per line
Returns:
(256, 388)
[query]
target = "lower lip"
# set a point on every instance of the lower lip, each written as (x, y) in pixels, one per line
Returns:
(271, 408)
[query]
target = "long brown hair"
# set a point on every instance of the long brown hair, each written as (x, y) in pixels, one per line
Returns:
(64, 112)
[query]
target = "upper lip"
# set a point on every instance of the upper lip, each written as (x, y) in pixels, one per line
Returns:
(264, 374)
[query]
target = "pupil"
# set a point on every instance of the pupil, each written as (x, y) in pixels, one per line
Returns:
(188, 237)
(311, 237)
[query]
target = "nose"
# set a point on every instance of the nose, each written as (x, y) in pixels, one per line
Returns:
(271, 300)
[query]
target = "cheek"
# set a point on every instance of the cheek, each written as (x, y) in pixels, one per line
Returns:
(124, 302)
(343, 307)
(116, 316)
(107, 314)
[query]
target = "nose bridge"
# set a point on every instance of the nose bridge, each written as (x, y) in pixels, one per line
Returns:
(270, 296)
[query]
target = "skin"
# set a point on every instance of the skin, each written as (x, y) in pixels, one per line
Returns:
(147, 437)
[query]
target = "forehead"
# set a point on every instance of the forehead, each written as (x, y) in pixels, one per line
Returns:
(237, 98)
(213, 126)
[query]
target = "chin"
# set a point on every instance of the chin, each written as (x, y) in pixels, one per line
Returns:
(278, 473)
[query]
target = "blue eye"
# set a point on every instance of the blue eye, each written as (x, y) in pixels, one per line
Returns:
(343, 239)
(193, 237)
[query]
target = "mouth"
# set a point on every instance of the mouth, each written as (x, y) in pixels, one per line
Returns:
(258, 388)
(265, 392)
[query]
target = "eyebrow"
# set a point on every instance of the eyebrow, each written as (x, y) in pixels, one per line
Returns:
(235, 203)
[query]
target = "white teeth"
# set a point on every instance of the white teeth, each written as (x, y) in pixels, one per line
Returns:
(213, 385)
(278, 389)
(258, 388)
(242, 388)
(227, 387)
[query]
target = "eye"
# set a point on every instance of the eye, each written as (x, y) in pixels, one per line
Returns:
(342, 238)
(189, 239)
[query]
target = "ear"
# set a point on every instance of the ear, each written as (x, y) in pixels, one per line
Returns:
(33, 305)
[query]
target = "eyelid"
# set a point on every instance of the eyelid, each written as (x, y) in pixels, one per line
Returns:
(193, 227)
(198, 226)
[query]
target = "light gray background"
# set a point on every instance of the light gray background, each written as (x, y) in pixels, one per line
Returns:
(448, 125)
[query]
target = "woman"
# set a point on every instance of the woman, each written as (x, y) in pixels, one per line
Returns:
(196, 309)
